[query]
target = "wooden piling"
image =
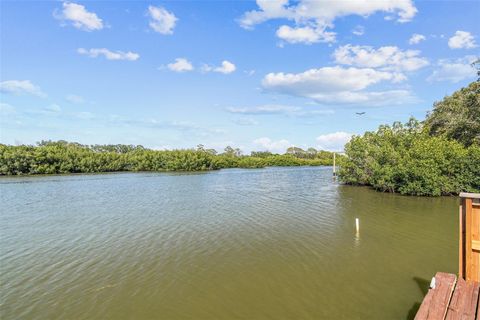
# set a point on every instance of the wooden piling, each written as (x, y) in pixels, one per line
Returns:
(469, 239)
(450, 298)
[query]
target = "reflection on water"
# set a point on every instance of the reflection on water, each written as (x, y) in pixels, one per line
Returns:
(275, 243)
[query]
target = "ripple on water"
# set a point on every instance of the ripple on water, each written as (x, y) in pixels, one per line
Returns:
(252, 244)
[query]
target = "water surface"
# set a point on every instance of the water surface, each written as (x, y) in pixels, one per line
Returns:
(274, 243)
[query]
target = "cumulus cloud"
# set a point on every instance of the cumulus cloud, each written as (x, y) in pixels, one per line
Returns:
(337, 85)
(311, 19)
(416, 38)
(462, 40)
(359, 30)
(226, 68)
(161, 20)
(278, 146)
(79, 17)
(20, 87)
(327, 78)
(109, 55)
(385, 58)
(305, 34)
(333, 141)
(180, 65)
(454, 70)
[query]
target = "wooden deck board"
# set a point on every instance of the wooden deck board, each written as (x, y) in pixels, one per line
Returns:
(435, 304)
(463, 305)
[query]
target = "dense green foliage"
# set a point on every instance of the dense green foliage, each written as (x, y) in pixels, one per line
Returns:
(49, 157)
(457, 116)
(438, 157)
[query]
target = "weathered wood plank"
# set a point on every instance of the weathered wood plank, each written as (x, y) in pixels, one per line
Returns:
(469, 262)
(475, 243)
(435, 303)
(463, 304)
(470, 195)
(461, 245)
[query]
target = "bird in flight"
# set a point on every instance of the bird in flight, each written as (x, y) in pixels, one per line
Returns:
(360, 113)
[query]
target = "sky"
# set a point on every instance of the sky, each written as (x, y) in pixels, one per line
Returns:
(262, 75)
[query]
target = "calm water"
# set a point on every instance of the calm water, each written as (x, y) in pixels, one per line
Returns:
(275, 243)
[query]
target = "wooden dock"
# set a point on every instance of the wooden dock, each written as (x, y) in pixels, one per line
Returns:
(450, 297)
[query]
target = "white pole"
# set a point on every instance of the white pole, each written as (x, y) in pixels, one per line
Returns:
(357, 224)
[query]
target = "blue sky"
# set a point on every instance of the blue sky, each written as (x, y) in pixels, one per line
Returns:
(259, 75)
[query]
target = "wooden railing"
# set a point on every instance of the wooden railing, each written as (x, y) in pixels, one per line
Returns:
(469, 242)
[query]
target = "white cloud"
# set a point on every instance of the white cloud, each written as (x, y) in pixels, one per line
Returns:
(109, 55)
(19, 87)
(226, 67)
(73, 98)
(462, 40)
(359, 30)
(333, 141)
(162, 21)
(416, 38)
(312, 18)
(279, 146)
(79, 17)
(180, 65)
(335, 85)
(454, 70)
(306, 34)
(338, 85)
(386, 58)
(327, 78)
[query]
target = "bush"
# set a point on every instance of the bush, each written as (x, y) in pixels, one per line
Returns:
(406, 159)
(58, 157)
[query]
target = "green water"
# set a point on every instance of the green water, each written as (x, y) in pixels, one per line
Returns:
(275, 243)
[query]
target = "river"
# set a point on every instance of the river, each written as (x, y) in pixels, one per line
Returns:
(273, 243)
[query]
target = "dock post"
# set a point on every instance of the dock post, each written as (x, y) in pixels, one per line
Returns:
(469, 237)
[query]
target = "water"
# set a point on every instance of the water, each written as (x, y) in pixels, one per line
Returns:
(275, 243)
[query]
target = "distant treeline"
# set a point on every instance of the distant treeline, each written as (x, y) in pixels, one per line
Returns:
(440, 156)
(57, 157)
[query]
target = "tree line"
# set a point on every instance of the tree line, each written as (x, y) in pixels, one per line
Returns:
(60, 157)
(439, 156)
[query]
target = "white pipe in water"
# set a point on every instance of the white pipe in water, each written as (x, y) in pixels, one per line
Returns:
(357, 224)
